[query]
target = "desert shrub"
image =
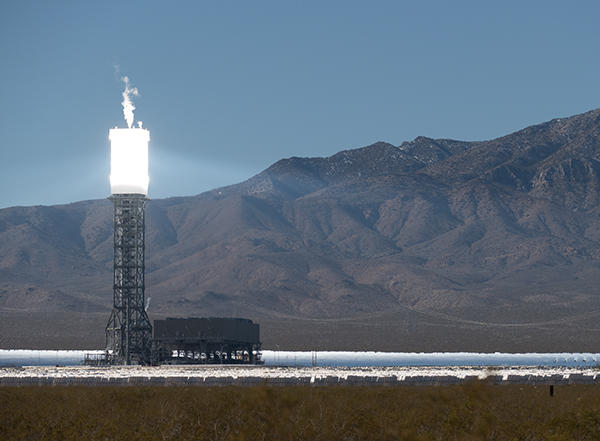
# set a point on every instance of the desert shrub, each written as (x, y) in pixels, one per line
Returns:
(474, 411)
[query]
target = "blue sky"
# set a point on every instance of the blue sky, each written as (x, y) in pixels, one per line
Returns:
(228, 88)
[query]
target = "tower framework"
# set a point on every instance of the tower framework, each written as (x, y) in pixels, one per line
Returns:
(129, 332)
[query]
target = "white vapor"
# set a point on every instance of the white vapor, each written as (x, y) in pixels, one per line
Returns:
(128, 106)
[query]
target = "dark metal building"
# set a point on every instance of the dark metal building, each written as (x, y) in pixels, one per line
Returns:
(129, 332)
(206, 340)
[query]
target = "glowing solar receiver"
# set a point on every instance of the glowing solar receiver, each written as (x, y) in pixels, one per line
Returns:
(129, 161)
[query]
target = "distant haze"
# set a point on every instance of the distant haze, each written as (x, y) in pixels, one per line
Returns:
(228, 89)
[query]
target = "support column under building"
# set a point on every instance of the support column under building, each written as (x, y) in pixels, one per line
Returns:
(129, 332)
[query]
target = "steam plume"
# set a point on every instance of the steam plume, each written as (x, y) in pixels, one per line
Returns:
(128, 106)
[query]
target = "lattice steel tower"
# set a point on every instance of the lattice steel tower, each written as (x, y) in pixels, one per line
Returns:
(129, 332)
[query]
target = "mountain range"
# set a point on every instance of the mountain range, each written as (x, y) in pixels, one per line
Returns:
(500, 237)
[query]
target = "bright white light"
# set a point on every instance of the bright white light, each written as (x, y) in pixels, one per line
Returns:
(129, 161)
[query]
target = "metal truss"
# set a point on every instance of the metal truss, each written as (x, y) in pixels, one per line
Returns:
(129, 332)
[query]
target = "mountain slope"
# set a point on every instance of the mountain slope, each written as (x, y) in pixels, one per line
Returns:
(501, 231)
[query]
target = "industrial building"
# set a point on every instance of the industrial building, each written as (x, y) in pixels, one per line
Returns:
(193, 340)
(206, 341)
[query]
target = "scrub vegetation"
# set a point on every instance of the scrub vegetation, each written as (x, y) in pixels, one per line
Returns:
(473, 411)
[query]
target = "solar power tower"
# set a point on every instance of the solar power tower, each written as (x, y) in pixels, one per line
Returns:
(129, 332)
